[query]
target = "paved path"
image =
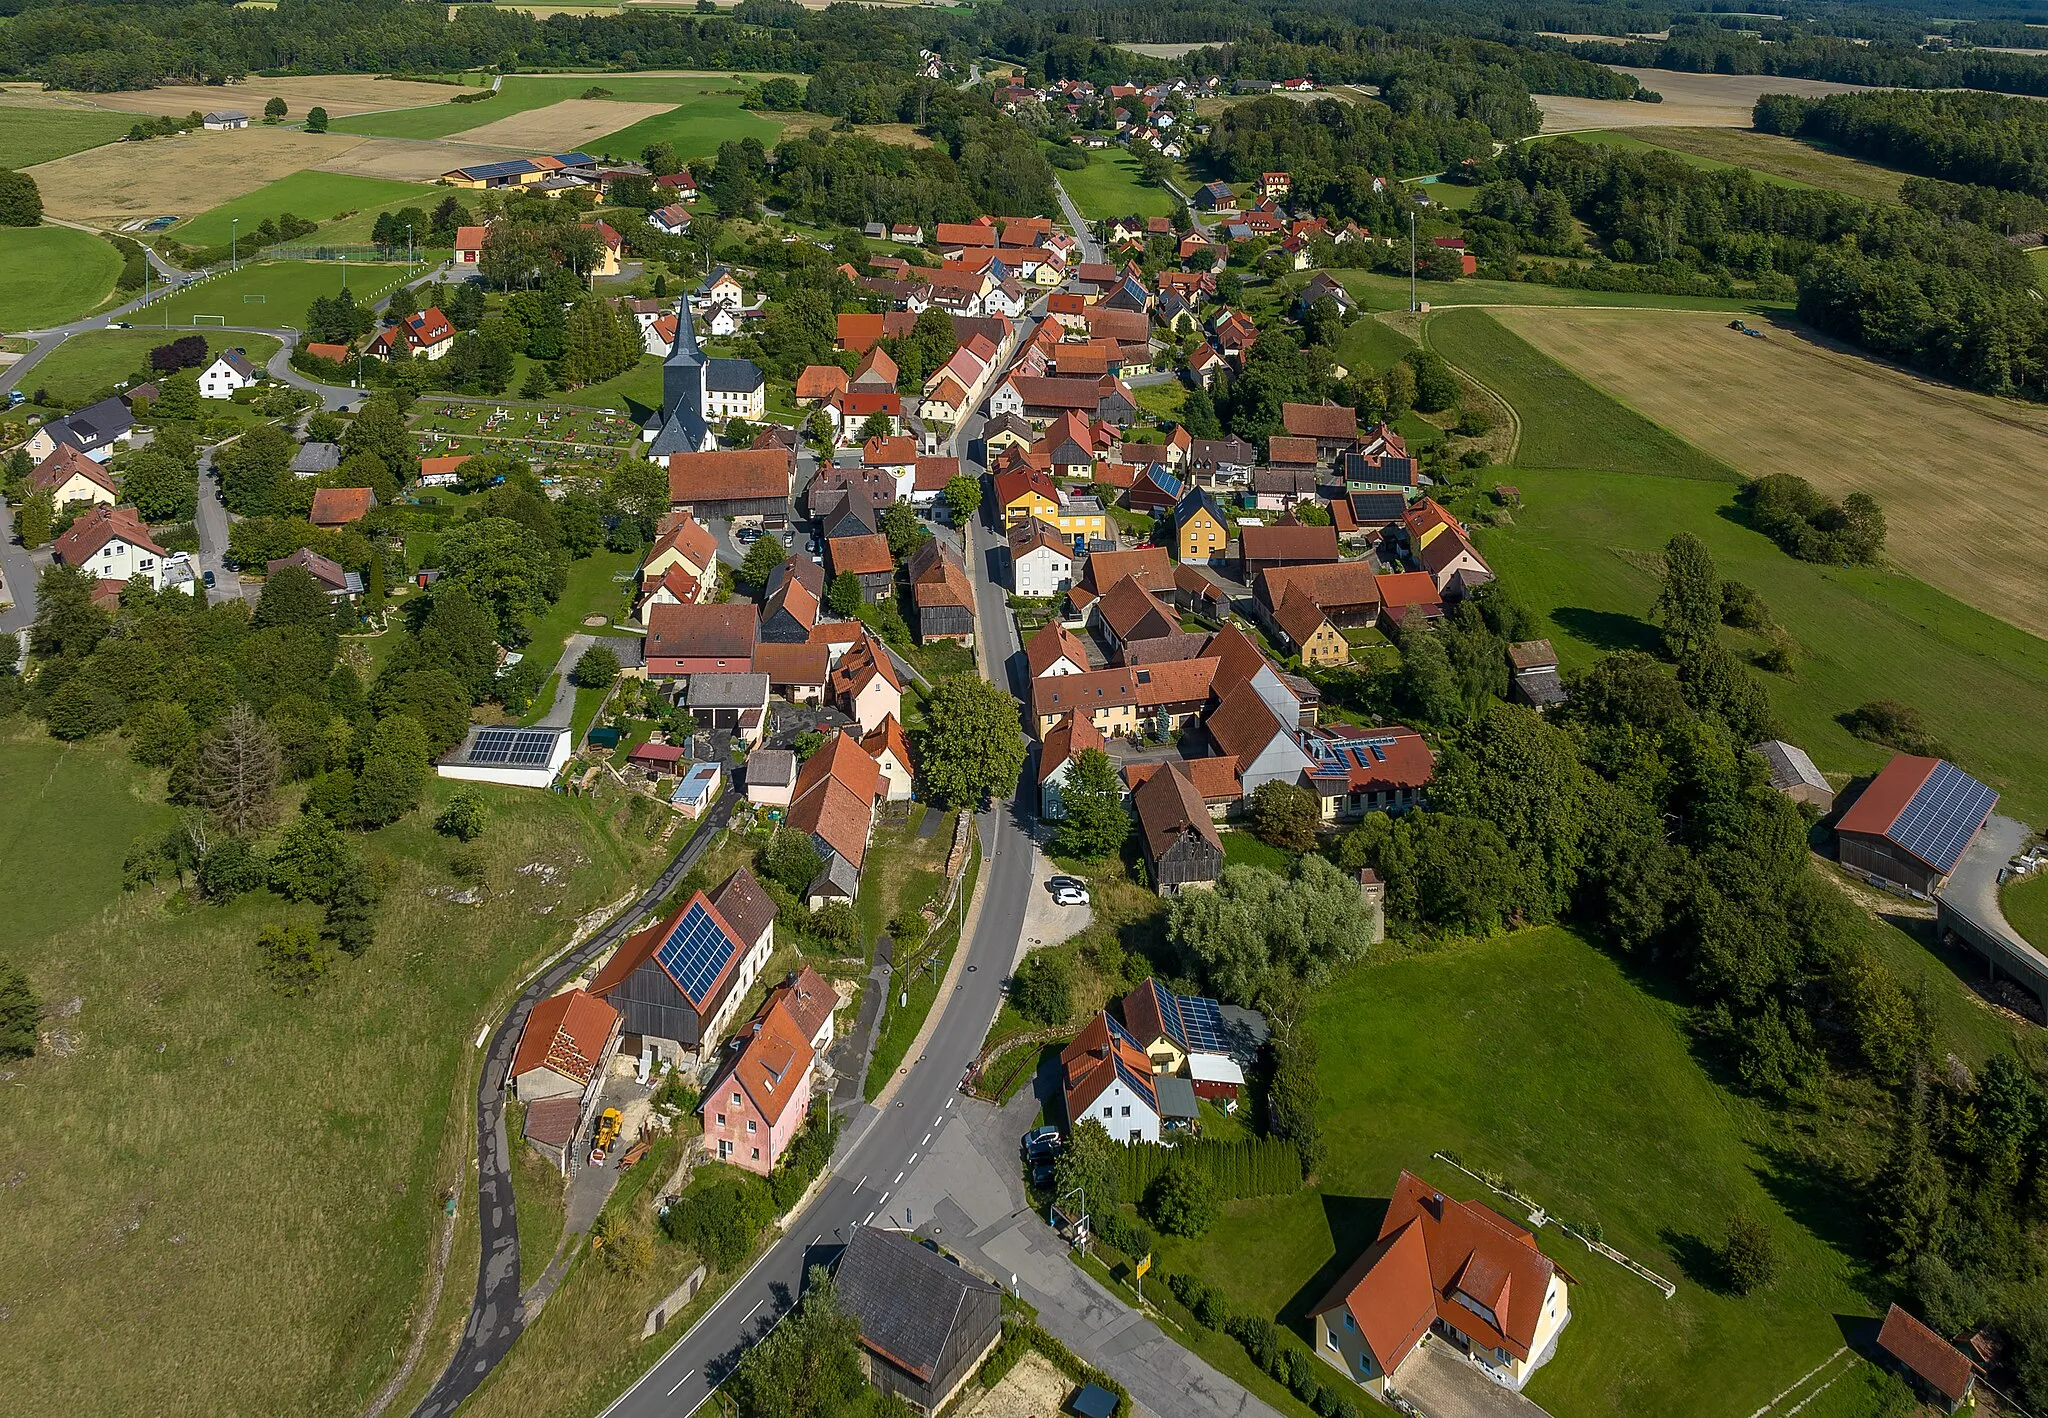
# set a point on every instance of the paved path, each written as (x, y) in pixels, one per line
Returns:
(1091, 249)
(563, 713)
(495, 1314)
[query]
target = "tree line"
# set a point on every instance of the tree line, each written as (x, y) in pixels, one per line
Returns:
(1973, 139)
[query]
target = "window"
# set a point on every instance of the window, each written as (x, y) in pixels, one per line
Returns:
(721, 1120)
(1333, 1341)
(1107, 1110)
(1127, 1110)
(750, 1125)
(735, 1100)
(757, 1154)
(1350, 1323)
(1137, 1136)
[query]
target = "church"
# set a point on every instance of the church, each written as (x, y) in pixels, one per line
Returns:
(697, 392)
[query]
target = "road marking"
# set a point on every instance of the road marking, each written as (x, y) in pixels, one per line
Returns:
(899, 1177)
(482, 1034)
(862, 1182)
(939, 1119)
(751, 1313)
(927, 1141)
(680, 1382)
(950, 1102)
(817, 1238)
(913, 1158)
(869, 1217)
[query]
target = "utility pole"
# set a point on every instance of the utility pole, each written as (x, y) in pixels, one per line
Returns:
(234, 232)
(1411, 260)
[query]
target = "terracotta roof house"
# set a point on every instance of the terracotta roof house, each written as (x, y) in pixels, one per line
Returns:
(1346, 592)
(1054, 650)
(676, 983)
(1215, 779)
(790, 611)
(889, 746)
(1292, 452)
(821, 381)
(1245, 726)
(1332, 426)
(340, 585)
(755, 1105)
(1290, 543)
(564, 1046)
(1104, 1075)
(1041, 559)
(865, 684)
(1360, 770)
(1409, 597)
(1909, 827)
(876, 370)
(111, 542)
(69, 476)
(1454, 1265)
(811, 1002)
(867, 560)
(796, 672)
(735, 482)
(1940, 1371)
(926, 1323)
(1309, 633)
(1153, 566)
(694, 639)
(1063, 742)
(1108, 697)
(1128, 612)
(339, 506)
(834, 802)
(1179, 838)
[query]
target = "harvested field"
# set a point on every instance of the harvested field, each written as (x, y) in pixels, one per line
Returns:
(1784, 161)
(1933, 456)
(560, 127)
(340, 94)
(181, 176)
(1690, 101)
(1167, 51)
(403, 161)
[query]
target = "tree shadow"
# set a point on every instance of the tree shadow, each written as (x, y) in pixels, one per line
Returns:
(1354, 1223)
(1698, 1260)
(1606, 630)
(1813, 1191)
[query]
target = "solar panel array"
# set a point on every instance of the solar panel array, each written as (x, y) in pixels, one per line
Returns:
(695, 952)
(520, 748)
(1201, 1024)
(1347, 753)
(1937, 823)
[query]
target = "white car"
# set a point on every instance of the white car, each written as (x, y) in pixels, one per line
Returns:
(1071, 896)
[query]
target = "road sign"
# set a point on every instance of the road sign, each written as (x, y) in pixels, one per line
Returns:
(1145, 1265)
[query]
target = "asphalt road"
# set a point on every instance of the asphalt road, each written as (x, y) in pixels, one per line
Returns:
(495, 1320)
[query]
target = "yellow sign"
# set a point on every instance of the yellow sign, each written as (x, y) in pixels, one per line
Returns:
(1144, 1265)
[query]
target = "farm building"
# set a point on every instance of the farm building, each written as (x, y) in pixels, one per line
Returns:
(1179, 839)
(1935, 1368)
(519, 758)
(1793, 773)
(1536, 682)
(1910, 826)
(926, 1323)
(676, 983)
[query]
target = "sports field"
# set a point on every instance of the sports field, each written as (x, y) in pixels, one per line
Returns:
(89, 362)
(180, 176)
(316, 197)
(1948, 466)
(51, 274)
(285, 288)
(37, 132)
(1109, 187)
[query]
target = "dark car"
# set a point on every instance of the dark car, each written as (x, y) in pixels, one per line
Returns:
(1059, 883)
(207, 577)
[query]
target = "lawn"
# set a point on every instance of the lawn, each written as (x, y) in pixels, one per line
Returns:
(900, 1022)
(52, 274)
(540, 1197)
(696, 126)
(1786, 161)
(275, 294)
(1632, 142)
(1582, 553)
(215, 1170)
(97, 359)
(321, 197)
(901, 871)
(1162, 402)
(1372, 344)
(32, 135)
(1381, 292)
(589, 590)
(1242, 849)
(1109, 187)
(713, 116)
(1609, 1119)
(1566, 422)
(2026, 908)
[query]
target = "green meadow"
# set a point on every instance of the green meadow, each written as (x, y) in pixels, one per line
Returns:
(321, 197)
(51, 274)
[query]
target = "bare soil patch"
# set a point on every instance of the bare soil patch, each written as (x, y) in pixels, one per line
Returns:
(407, 160)
(180, 176)
(1032, 1389)
(561, 126)
(1954, 471)
(340, 94)
(1690, 101)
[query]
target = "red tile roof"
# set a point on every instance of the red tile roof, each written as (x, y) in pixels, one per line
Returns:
(1216, 779)
(729, 475)
(691, 539)
(860, 556)
(1408, 588)
(566, 1033)
(710, 632)
(1405, 762)
(866, 661)
(1088, 1065)
(791, 664)
(1052, 641)
(338, 506)
(98, 525)
(835, 794)
(1296, 543)
(1388, 1293)
(63, 463)
(1282, 448)
(820, 381)
(1475, 1252)
(1167, 806)
(888, 737)
(1944, 1367)
(1065, 740)
(1319, 420)
(809, 998)
(774, 1061)
(1083, 693)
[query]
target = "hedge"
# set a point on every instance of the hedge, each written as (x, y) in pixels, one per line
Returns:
(1020, 1335)
(1237, 1170)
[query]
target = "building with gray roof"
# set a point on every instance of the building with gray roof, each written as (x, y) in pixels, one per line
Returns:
(925, 1322)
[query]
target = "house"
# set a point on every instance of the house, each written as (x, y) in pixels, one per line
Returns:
(1332, 426)
(558, 1069)
(876, 370)
(852, 410)
(113, 545)
(926, 1323)
(1228, 459)
(1215, 197)
(1053, 650)
(672, 220)
(518, 758)
(1215, 779)
(1274, 186)
(820, 381)
(1154, 491)
(1199, 528)
(679, 184)
(1128, 613)
(796, 672)
(1940, 1372)
(795, 595)
(544, 171)
(469, 247)
(889, 746)
(942, 592)
(1347, 593)
(1182, 1033)
(312, 459)
(733, 482)
(929, 479)
(1793, 774)
(1288, 543)
(734, 388)
(685, 545)
(1041, 399)
(1176, 833)
(1107, 697)
(224, 120)
(834, 803)
(1245, 726)
(698, 785)
(426, 334)
(70, 476)
(1104, 1075)
(701, 639)
(95, 430)
(339, 506)
(771, 777)
(729, 701)
(1041, 559)
(865, 558)
(229, 371)
(677, 983)
(339, 585)
(610, 247)
(894, 458)
(865, 685)
(1441, 546)
(1909, 827)
(1536, 682)
(756, 1103)
(1359, 770)
(1408, 598)
(1308, 632)
(722, 286)
(1061, 745)
(1455, 1268)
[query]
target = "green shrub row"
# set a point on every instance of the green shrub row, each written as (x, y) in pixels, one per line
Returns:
(1236, 1170)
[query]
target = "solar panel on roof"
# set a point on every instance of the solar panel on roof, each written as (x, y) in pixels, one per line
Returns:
(1939, 820)
(695, 952)
(1201, 1024)
(518, 747)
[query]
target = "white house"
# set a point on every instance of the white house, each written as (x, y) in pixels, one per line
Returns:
(1041, 560)
(723, 321)
(1108, 1078)
(520, 758)
(229, 371)
(672, 220)
(734, 388)
(224, 119)
(1062, 744)
(112, 544)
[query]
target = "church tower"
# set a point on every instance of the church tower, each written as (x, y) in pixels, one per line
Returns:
(683, 429)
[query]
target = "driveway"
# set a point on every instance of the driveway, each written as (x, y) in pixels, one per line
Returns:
(1443, 1384)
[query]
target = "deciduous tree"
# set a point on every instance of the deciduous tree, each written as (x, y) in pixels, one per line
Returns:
(970, 746)
(1093, 821)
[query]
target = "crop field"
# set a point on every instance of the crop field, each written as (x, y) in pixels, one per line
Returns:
(94, 359)
(51, 274)
(1109, 187)
(180, 176)
(273, 294)
(1375, 291)
(340, 94)
(397, 160)
(562, 126)
(1772, 156)
(1690, 101)
(203, 1185)
(1935, 457)
(545, 431)
(696, 126)
(32, 132)
(523, 94)
(314, 196)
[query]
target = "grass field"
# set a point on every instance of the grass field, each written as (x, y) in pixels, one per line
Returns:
(1566, 422)
(2026, 908)
(215, 1170)
(1109, 187)
(315, 197)
(51, 274)
(1777, 159)
(1789, 403)
(1582, 553)
(89, 362)
(287, 288)
(698, 123)
(705, 114)
(1372, 344)
(1379, 292)
(1609, 1118)
(29, 135)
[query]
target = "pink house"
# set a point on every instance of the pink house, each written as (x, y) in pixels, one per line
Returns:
(757, 1103)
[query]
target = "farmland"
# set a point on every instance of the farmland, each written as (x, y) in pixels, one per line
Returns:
(274, 294)
(712, 103)
(1790, 403)
(1772, 157)
(33, 133)
(1690, 101)
(315, 197)
(1109, 187)
(203, 1187)
(339, 94)
(180, 176)
(1380, 292)
(95, 359)
(51, 274)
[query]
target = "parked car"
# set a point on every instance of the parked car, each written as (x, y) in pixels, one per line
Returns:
(207, 578)
(1070, 896)
(747, 536)
(1065, 883)
(1041, 1142)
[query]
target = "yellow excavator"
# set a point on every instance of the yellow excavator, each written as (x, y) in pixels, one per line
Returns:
(607, 1133)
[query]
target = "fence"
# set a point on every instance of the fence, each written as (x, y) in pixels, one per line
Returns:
(1539, 1218)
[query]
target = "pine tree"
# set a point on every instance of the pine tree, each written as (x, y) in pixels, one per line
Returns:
(1911, 1189)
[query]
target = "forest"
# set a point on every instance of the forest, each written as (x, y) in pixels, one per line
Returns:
(1980, 140)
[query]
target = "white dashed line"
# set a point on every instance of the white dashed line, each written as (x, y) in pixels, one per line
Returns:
(913, 1158)
(751, 1313)
(899, 1177)
(680, 1382)
(869, 1217)
(861, 1183)
(927, 1141)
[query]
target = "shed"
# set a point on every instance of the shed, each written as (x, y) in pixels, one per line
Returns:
(1215, 1076)
(1910, 826)
(1793, 773)
(1095, 1401)
(1177, 1106)
(698, 789)
(521, 758)
(926, 1322)
(1937, 1368)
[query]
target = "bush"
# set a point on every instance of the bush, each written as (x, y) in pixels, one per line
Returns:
(597, 669)
(1749, 1257)
(1285, 815)
(1181, 1201)
(464, 817)
(791, 861)
(1301, 1375)
(231, 868)
(1123, 1233)
(19, 1010)
(1042, 989)
(1895, 725)
(293, 957)
(1742, 607)
(721, 1220)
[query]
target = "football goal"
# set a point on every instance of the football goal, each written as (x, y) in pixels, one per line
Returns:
(255, 299)
(209, 320)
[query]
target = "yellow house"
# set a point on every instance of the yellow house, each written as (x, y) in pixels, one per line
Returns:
(69, 476)
(1200, 530)
(1007, 431)
(1027, 493)
(1316, 640)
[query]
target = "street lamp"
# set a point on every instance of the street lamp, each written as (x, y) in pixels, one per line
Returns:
(234, 258)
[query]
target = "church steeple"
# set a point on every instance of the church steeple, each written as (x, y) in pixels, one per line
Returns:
(683, 429)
